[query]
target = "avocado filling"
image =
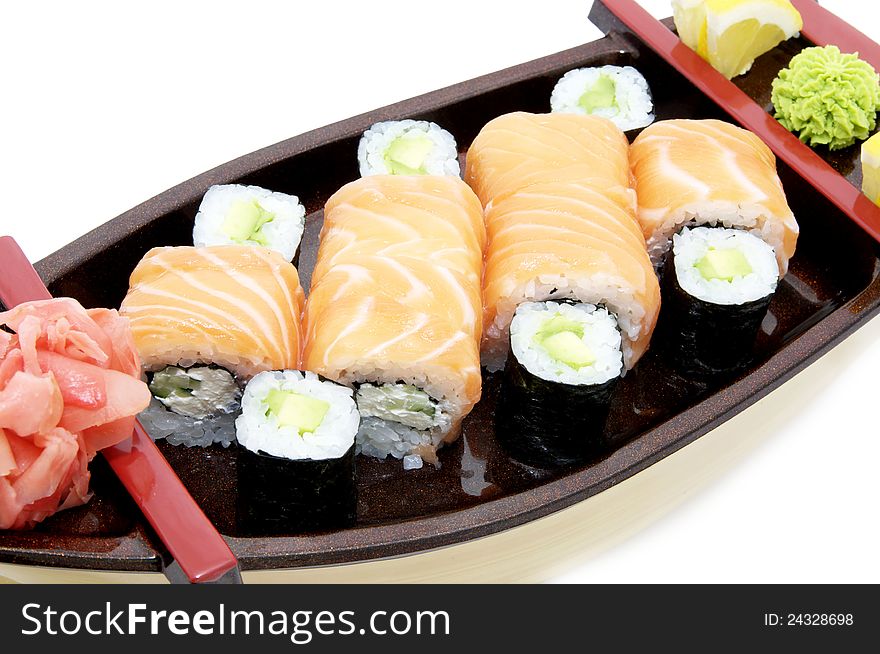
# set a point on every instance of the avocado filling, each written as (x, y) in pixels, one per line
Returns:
(401, 403)
(198, 392)
(561, 338)
(407, 153)
(291, 409)
(601, 95)
(245, 220)
(723, 264)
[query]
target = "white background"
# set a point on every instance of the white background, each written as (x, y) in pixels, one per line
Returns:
(104, 105)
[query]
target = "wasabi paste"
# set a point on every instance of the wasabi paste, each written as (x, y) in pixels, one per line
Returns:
(827, 97)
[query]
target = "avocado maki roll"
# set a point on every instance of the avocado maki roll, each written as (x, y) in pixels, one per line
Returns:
(618, 93)
(407, 147)
(296, 460)
(564, 363)
(717, 287)
(233, 214)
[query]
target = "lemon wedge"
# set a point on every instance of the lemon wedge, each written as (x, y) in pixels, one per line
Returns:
(871, 168)
(731, 34)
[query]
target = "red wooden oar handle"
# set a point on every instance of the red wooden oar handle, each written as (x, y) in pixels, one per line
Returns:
(197, 547)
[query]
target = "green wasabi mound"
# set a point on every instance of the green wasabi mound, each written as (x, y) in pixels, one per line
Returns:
(827, 97)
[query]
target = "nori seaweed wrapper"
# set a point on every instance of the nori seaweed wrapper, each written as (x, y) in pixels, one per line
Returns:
(279, 496)
(702, 338)
(547, 424)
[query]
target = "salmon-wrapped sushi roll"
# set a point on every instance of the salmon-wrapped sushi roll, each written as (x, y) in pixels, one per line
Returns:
(232, 305)
(566, 241)
(560, 224)
(394, 309)
(519, 149)
(204, 321)
(709, 172)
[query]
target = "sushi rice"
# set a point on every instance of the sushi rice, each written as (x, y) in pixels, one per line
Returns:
(176, 429)
(619, 93)
(424, 148)
(691, 245)
(259, 430)
(233, 214)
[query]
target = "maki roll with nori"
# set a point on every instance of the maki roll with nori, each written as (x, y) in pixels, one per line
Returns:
(296, 459)
(564, 362)
(717, 286)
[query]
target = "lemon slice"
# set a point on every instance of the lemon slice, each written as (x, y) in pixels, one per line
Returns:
(871, 168)
(731, 34)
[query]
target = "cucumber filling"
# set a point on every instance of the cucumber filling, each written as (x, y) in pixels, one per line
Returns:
(290, 409)
(601, 95)
(562, 339)
(725, 264)
(407, 153)
(198, 392)
(568, 348)
(245, 220)
(400, 403)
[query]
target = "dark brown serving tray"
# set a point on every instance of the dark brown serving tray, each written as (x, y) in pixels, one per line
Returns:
(833, 287)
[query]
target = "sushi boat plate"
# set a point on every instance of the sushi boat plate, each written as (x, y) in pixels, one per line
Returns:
(832, 288)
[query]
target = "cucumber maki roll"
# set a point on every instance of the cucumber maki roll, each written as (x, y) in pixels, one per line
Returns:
(619, 93)
(192, 405)
(232, 214)
(402, 420)
(565, 361)
(199, 391)
(407, 147)
(296, 461)
(717, 287)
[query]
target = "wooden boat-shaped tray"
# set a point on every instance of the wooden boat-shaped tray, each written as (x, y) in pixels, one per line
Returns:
(832, 287)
